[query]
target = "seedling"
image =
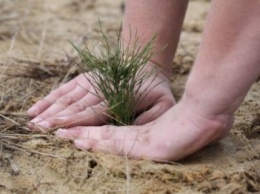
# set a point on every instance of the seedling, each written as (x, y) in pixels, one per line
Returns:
(118, 74)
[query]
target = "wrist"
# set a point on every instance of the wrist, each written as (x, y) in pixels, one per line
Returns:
(161, 71)
(203, 112)
(208, 103)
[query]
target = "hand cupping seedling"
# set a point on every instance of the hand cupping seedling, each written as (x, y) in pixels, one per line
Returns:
(118, 74)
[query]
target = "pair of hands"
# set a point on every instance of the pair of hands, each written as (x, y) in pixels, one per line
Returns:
(74, 107)
(162, 133)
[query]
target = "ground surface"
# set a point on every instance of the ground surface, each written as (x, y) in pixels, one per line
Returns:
(36, 57)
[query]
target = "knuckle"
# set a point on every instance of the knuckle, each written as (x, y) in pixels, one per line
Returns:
(117, 146)
(58, 92)
(145, 139)
(106, 132)
(93, 143)
(78, 107)
(65, 101)
(77, 130)
(81, 78)
(169, 103)
(47, 99)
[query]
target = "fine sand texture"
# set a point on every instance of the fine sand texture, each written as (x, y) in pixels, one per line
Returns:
(36, 57)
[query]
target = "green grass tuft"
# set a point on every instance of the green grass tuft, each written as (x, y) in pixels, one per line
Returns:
(118, 73)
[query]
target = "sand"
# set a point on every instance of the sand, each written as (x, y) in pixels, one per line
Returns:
(37, 57)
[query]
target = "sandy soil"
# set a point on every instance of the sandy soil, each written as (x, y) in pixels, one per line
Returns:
(36, 57)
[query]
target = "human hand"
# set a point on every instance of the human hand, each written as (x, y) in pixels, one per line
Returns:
(179, 132)
(74, 104)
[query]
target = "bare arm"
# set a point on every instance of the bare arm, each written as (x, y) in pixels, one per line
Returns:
(150, 17)
(228, 62)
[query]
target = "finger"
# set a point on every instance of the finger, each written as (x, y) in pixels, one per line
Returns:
(105, 132)
(153, 113)
(138, 148)
(95, 115)
(128, 148)
(81, 81)
(89, 100)
(61, 104)
(79, 113)
(127, 140)
(132, 141)
(43, 104)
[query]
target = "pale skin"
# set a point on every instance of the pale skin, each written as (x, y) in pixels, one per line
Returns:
(227, 64)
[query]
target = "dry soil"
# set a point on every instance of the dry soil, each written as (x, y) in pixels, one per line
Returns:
(36, 57)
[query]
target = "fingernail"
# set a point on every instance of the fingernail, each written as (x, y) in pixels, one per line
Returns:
(63, 133)
(60, 132)
(31, 126)
(80, 144)
(36, 120)
(61, 120)
(44, 124)
(33, 111)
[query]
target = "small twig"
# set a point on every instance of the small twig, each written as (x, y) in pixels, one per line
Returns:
(187, 52)
(14, 167)
(19, 136)
(14, 122)
(65, 78)
(1, 149)
(43, 34)
(13, 114)
(10, 17)
(14, 146)
(128, 176)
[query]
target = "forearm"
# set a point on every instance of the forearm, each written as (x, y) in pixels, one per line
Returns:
(228, 62)
(150, 17)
